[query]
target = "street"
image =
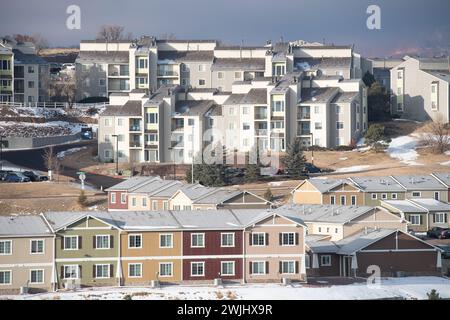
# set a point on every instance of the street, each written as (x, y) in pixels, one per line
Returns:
(33, 159)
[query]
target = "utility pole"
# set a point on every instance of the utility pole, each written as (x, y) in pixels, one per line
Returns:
(117, 152)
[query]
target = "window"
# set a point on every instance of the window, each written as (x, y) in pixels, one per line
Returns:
(316, 109)
(143, 63)
(176, 207)
(165, 269)
(400, 74)
(336, 230)
(30, 69)
(237, 75)
(440, 217)
(436, 195)
(123, 198)
(184, 67)
(258, 239)
(400, 107)
(339, 125)
(31, 84)
(245, 110)
(416, 194)
(5, 247)
(101, 271)
(231, 126)
(318, 125)
(307, 261)
(30, 98)
(399, 90)
(102, 242)
(343, 200)
(201, 82)
(231, 111)
(325, 260)
(5, 65)
(152, 117)
(135, 270)
(277, 124)
(197, 269)
(227, 268)
(384, 196)
(394, 196)
(201, 67)
(338, 109)
(107, 123)
(258, 267)
(71, 242)
(166, 240)
(353, 200)
(246, 126)
(5, 277)
(288, 239)
(374, 196)
(287, 267)
(102, 82)
(135, 241)
(197, 240)
(415, 219)
(154, 205)
(113, 194)
(70, 272)
(227, 239)
(165, 205)
(191, 122)
(144, 201)
(220, 75)
(37, 276)
(37, 246)
(133, 201)
(278, 106)
(333, 200)
(107, 155)
(184, 82)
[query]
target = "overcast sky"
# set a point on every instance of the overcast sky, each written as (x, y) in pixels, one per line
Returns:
(407, 25)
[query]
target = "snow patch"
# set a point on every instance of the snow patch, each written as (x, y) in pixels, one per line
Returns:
(61, 155)
(353, 168)
(404, 149)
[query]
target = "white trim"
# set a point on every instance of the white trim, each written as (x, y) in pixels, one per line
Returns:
(20, 265)
(198, 233)
(221, 268)
(203, 269)
(71, 265)
(70, 249)
(132, 264)
(221, 239)
(171, 241)
(103, 235)
(43, 276)
(10, 248)
(282, 239)
(258, 274)
(102, 264)
(282, 267)
(43, 246)
(10, 278)
(258, 233)
(171, 270)
(320, 260)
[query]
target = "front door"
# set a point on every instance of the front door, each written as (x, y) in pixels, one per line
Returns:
(346, 270)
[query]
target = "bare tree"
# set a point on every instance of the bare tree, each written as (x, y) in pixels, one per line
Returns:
(51, 161)
(37, 39)
(113, 33)
(437, 136)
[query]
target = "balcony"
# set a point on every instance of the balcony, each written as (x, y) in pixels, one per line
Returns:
(135, 144)
(260, 132)
(303, 132)
(167, 73)
(135, 128)
(260, 115)
(303, 116)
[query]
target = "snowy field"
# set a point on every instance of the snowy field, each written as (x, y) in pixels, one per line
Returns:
(407, 288)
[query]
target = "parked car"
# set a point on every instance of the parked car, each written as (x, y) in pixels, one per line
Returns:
(4, 173)
(34, 176)
(16, 177)
(438, 232)
(310, 168)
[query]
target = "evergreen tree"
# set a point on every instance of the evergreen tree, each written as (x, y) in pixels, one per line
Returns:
(82, 199)
(295, 160)
(252, 169)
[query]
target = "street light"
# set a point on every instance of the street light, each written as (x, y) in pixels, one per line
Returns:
(117, 152)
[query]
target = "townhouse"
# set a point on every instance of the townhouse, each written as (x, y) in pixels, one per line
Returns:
(26, 255)
(24, 76)
(423, 214)
(338, 222)
(153, 193)
(371, 191)
(86, 248)
(421, 89)
(389, 251)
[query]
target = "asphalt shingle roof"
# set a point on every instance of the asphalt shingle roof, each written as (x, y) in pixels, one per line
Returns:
(318, 95)
(420, 182)
(378, 184)
(247, 64)
(193, 107)
(23, 226)
(103, 57)
(255, 96)
(132, 108)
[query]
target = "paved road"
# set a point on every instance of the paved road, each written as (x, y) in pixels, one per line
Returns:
(32, 159)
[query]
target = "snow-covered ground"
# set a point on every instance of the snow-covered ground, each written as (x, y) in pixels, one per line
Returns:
(407, 288)
(61, 155)
(48, 129)
(404, 149)
(353, 168)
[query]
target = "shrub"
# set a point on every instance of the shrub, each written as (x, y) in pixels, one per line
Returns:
(433, 295)
(127, 297)
(82, 199)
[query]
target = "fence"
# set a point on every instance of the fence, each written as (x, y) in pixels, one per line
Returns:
(54, 105)
(37, 142)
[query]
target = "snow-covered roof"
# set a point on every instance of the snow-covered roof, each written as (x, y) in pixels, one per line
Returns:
(420, 182)
(377, 184)
(23, 226)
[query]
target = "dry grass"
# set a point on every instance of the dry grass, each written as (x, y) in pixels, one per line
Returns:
(219, 295)
(231, 295)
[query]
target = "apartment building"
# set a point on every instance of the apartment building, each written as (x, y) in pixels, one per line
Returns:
(24, 76)
(381, 70)
(371, 191)
(421, 88)
(153, 193)
(26, 255)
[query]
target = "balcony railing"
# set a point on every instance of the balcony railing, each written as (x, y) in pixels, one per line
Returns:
(177, 127)
(303, 116)
(135, 128)
(260, 115)
(167, 73)
(135, 144)
(303, 132)
(260, 132)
